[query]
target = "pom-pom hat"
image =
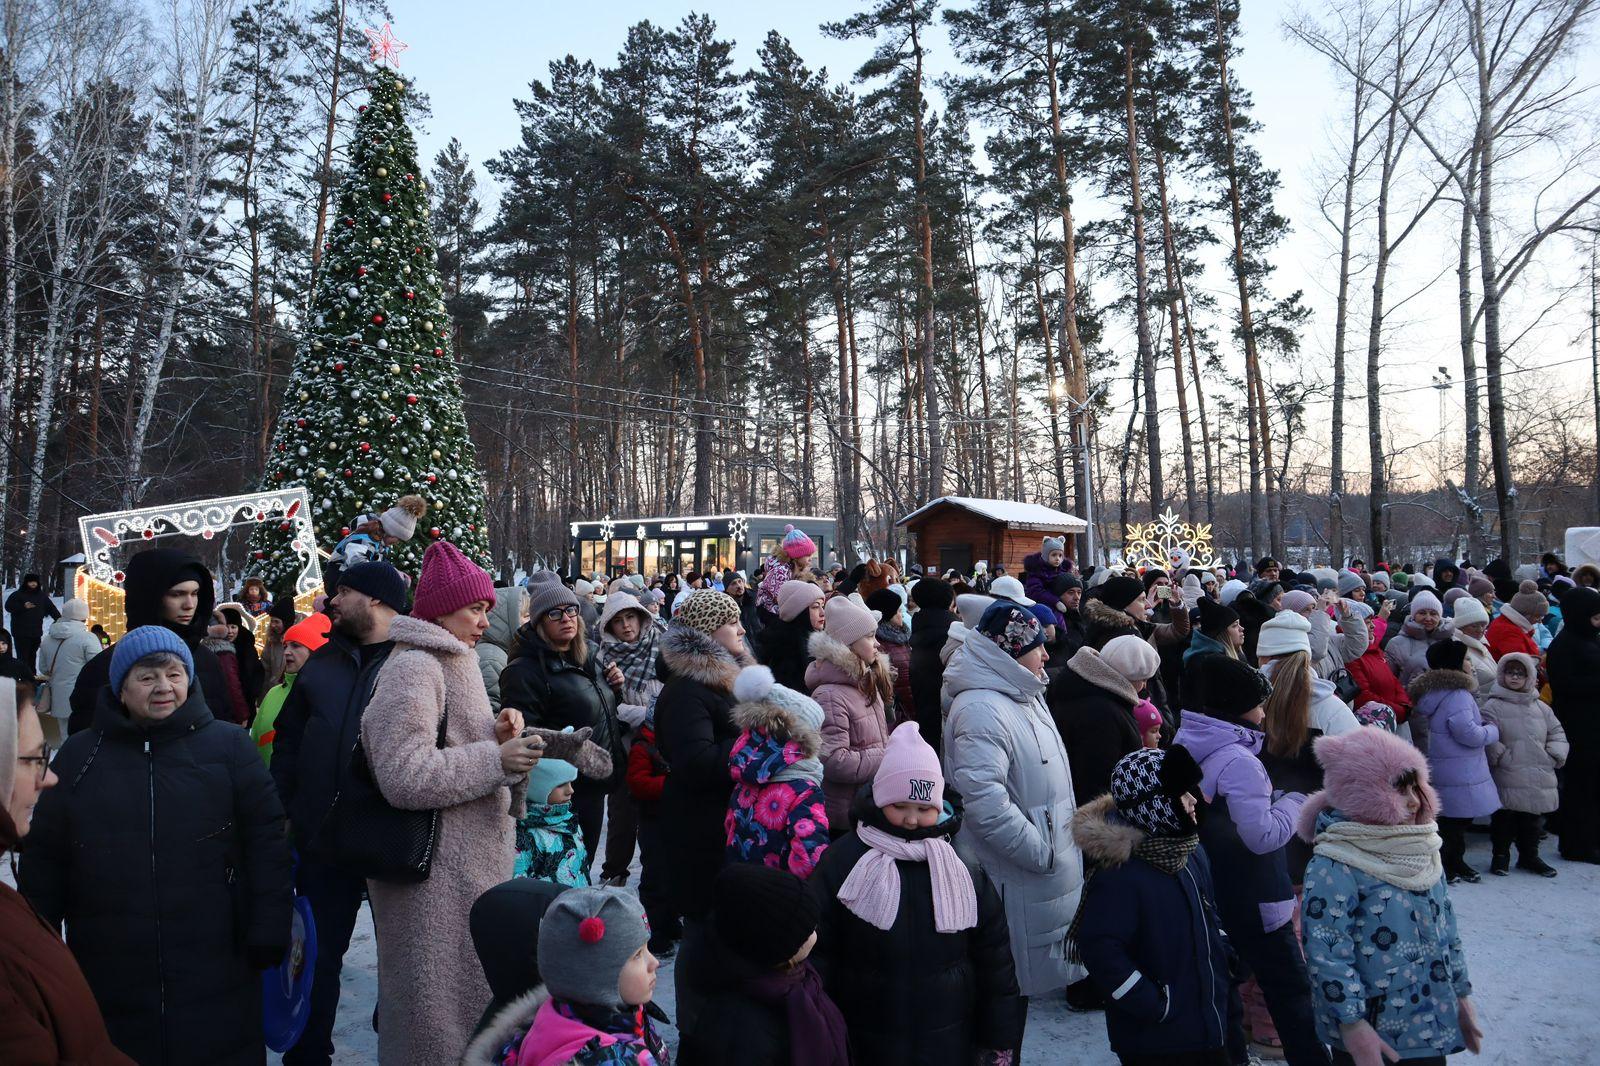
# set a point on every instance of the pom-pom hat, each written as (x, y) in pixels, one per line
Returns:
(400, 521)
(1530, 602)
(796, 545)
(585, 939)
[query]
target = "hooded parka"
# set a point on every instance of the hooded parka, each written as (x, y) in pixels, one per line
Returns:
(1005, 758)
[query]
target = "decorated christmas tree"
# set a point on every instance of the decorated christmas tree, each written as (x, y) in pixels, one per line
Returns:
(373, 408)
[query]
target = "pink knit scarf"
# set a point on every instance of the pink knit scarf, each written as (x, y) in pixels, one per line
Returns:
(872, 891)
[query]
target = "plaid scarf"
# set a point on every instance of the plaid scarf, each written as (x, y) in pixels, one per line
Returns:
(1167, 854)
(637, 660)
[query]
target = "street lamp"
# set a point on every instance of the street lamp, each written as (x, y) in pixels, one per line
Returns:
(1442, 383)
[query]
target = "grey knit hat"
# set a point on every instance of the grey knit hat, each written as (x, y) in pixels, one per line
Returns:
(545, 592)
(585, 939)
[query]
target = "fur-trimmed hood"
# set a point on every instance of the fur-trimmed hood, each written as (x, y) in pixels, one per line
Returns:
(1440, 681)
(690, 653)
(835, 664)
(1359, 771)
(513, 1020)
(1098, 612)
(1087, 664)
(778, 723)
(1104, 839)
(1528, 664)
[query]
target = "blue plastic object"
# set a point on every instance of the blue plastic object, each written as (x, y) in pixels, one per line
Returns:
(286, 988)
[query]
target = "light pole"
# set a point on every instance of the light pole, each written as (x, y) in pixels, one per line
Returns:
(1442, 383)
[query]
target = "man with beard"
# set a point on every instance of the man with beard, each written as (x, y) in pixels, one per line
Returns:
(161, 587)
(317, 730)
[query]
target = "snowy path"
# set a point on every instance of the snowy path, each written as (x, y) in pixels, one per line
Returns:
(1533, 947)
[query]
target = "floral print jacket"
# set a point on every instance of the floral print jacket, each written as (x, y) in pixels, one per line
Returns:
(549, 846)
(1383, 954)
(782, 823)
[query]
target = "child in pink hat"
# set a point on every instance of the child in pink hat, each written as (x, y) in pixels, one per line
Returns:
(1148, 717)
(898, 905)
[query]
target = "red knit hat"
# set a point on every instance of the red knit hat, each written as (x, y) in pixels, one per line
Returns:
(449, 582)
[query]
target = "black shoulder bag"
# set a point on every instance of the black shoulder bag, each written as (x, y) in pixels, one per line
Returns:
(364, 834)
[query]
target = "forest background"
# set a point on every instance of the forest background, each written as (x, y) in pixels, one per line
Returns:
(1017, 248)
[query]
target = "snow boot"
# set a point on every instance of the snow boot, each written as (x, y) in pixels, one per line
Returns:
(1536, 865)
(1500, 865)
(1459, 871)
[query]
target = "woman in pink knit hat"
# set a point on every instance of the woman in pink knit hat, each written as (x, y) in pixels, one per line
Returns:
(434, 743)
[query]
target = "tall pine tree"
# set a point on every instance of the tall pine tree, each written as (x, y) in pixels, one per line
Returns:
(373, 409)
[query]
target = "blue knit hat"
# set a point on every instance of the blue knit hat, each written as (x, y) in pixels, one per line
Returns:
(546, 776)
(146, 640)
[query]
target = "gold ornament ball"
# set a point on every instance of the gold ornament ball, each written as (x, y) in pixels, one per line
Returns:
(383, 395)
(436, 453)
(361, 420)
(394, 368)
(304, 395)
(322, 471)
(383, 172)
(377, 242)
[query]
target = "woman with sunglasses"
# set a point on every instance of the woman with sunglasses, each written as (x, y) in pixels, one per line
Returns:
(49, 1013)
(554, 678)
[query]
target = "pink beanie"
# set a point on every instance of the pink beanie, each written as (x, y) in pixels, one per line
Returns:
(796, 545)
(909, 772)
(449, 582)
(1146, 714)
(847, 621)
(796, 597)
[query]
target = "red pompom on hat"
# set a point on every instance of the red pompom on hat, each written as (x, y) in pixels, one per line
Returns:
(592, 930)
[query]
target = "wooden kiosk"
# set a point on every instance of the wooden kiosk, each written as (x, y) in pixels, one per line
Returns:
(958, 532)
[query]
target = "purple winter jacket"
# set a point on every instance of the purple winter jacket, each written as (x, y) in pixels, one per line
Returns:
(1244, 830)
(1037, 578)
(1458, 762)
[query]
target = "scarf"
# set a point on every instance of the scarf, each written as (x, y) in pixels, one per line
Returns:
(808, 770)
(889, 634)
(816, 1027)
(872, 891)
(1406, 856)
(637, 661)
(1167, 854)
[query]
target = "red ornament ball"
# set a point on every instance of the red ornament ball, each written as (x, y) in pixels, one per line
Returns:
(361, 272)
(348, 472)
(149, 534)
(591, 930)
(435, 532)
(119, 575)
(411, 177)
(411, 398)
(278, 476)
(362, 109)
(438, 351)
(300, 423)
(283, 527)
(394, 418)
(344, 531)
(417, 250)
(377, 320)
(388, 196)
(432, 478)
(349, 222)
(260, 555)
(410, 295)
(366, 446)
(339, 367)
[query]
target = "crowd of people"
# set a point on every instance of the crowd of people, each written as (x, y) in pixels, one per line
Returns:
(875, 814)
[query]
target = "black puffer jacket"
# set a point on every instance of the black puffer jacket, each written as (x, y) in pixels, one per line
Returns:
(911, 994)
(1092, 706)
(163, 851)
(318, 726)
(735, 1028)
(553, 692)
(930, 630)
(1103, 623)
(148, 576)
(782, 648)
(695, 735)
(1573, 666)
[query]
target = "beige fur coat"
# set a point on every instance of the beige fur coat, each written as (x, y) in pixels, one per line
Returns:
(431, 985)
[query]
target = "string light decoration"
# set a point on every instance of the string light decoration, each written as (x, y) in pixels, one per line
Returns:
(99, 580)
(1168, 543)
(739, 530)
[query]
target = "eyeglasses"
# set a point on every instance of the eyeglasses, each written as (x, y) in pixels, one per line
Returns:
(556, 614)
(43, 759)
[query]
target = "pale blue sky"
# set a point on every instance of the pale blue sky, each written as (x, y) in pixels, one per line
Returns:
(472, 57)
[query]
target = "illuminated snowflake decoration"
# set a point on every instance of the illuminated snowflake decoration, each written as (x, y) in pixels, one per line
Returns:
(1166, 543)
(607, 527)
(639, 533)
(738, 528)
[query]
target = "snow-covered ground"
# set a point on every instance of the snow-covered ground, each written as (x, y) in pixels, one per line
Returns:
(1533, 947)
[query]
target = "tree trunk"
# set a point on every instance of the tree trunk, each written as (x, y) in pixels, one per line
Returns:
(325, 171)
(925, 333)
(1077, 375)
(1470, 487)
(1260, 430)
(1341, 319)
(1379, 496)
(1141, 281)
(1170, 262)
(1051, 391)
